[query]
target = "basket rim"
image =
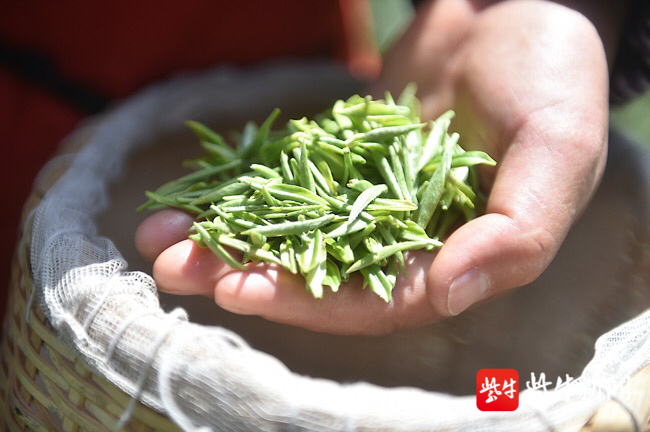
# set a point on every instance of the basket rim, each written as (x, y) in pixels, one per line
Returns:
(59, 346)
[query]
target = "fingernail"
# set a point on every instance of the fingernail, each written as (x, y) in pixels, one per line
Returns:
(466, 290)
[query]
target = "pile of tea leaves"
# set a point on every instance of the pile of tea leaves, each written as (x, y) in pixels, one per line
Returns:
(348, 191)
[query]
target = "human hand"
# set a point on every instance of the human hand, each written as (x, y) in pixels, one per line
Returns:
(529, 83)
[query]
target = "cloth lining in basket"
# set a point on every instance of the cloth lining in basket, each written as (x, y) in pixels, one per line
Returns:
(218, 384)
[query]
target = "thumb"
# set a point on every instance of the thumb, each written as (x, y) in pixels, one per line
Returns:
(538, 193)
(486, 256)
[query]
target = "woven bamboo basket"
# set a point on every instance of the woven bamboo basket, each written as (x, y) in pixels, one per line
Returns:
(46, 385)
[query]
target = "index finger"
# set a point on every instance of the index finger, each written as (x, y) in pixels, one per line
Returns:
(277, 295)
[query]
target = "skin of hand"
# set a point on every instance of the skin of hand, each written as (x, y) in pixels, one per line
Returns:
(529, 83)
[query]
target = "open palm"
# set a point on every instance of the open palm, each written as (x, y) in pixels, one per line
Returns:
(528, 81)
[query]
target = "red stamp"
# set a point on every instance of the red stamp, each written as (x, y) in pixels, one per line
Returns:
(497, 390)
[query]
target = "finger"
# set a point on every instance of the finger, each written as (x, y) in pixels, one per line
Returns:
(539, 191)
(161, 230)
(277, 295)
(186, 269)
(426, 57)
